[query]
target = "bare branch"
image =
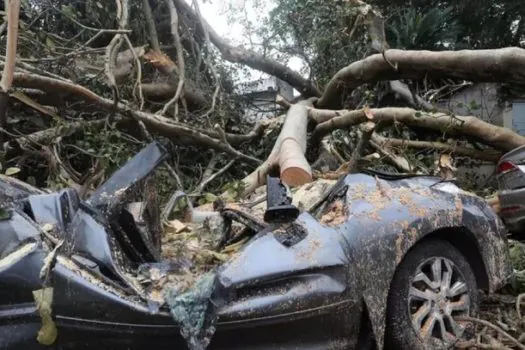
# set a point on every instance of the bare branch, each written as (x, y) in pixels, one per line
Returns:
(483, 66)
(180, 56)
(13, 11)
(207, 179)
(496, 136)
(367, 130)
(488, 155)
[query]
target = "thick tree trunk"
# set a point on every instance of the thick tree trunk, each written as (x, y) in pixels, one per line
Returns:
(507, 64)
(287, 153)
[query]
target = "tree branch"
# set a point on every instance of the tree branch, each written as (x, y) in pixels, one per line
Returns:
(13, 11)
(495, 136)
(366, 133)
(178, 132)
(150, 22)
(180, 57)
(473, 65)
(488, 155)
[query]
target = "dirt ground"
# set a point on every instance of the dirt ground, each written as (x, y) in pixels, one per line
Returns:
(498, 326)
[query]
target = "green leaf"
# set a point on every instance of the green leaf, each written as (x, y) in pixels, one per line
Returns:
(418, 114)
(50, 44)
(12, 171)
(4, 214)
(99, 5)
(210, 197)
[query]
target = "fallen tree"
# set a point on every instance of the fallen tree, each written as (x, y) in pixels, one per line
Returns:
(156, 100)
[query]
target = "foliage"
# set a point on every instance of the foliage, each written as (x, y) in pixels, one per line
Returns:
(483, 24)
(415, 29)
(320, 32)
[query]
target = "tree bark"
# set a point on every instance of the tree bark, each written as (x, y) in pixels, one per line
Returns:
(488, 155)
(13, 11)
(287, 153)
(507, 64)
(495, 136)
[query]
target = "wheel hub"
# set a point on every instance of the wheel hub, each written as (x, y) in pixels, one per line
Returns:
(438, 293)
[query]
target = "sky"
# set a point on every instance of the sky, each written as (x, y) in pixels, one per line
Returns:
(215, 13)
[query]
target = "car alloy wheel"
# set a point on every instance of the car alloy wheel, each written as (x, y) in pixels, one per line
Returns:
(433, 284)
(437, 294)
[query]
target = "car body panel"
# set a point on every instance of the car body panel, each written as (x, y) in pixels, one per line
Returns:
(512, 191)
(273, 291)
(385, 219)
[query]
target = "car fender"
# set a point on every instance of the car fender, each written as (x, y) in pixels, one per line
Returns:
(388, 218)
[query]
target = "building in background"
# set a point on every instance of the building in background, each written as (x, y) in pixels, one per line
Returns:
(258, 97)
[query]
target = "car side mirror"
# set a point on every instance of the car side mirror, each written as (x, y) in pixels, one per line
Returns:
(279, 207)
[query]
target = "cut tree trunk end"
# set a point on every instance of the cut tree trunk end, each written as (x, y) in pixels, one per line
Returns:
(287, 153)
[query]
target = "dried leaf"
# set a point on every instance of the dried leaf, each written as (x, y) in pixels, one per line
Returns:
(48, 332)
(177, 226)
(368, 113)
(20, 96)
(12, 171)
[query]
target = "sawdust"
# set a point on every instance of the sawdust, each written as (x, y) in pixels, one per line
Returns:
(17, 255)
(336, 214)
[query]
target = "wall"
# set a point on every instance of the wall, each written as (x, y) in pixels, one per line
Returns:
(480, 100)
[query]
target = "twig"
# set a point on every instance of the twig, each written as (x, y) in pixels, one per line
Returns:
(518, 304)
(138, 83)
(204, 28)
(180, 56)
(211, 166)
(198, 190)
(493, 326)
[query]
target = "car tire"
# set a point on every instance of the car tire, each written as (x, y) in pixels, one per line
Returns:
(406, 302)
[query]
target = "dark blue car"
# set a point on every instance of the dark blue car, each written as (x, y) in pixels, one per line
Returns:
(400, 257)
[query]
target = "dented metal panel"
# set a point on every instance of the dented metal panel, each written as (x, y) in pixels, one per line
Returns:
(324, 271)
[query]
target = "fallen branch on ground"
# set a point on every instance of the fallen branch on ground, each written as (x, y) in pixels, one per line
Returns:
(494, 327)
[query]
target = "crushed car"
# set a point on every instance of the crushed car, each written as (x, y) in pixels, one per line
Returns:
(378, 261)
